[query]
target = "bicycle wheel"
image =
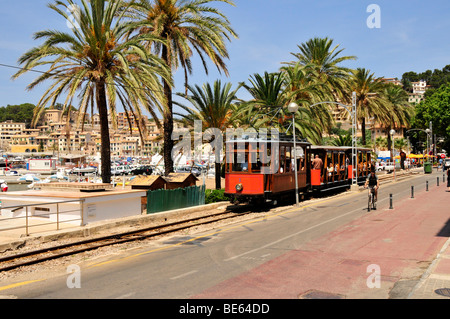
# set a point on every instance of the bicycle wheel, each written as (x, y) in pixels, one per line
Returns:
(374, 204)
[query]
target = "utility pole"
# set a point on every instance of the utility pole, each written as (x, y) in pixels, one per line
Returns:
(431, 140)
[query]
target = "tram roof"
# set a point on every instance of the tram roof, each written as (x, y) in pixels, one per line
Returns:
(337, 148)
(268, 138)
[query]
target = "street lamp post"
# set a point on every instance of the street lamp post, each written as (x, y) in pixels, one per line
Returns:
(393, 158)
(293, 107)
(428, 138)
(352, 110)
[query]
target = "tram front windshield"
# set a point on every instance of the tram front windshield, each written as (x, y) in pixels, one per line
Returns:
(240, 162)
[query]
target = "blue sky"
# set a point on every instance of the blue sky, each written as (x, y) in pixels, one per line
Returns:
(414, 36)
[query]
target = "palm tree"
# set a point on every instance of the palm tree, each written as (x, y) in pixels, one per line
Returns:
(306, 87)
(213, 106)
(401, 112)
(97, 63)
(187, 26)
(381, 143)
(370, 101)
(325, 59)
(400, 143)
(342, 140)
(268, 97)
(268, 108)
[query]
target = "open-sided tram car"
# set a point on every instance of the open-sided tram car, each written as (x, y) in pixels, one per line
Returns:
(337, 167)
(245, 179)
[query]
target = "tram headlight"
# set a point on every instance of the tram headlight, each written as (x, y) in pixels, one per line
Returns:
(239, 187)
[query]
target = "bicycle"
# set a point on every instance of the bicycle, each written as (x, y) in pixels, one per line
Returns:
(372, 204)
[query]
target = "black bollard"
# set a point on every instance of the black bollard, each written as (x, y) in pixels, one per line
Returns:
(426, 186)
(390, 202)
(437, 181)
(412, 191)
(443, 178)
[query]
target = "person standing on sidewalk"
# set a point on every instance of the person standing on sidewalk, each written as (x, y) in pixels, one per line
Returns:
(402, 159)
(448, 180)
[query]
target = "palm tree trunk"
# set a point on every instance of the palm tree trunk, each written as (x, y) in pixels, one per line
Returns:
(168, 120)
(104, 132)
(218, 175)
(363, 130)
(389, 141)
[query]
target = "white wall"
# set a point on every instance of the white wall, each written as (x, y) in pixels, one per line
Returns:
(94, 208)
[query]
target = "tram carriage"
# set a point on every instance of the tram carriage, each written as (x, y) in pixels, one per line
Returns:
(248, 178)
(337, 167)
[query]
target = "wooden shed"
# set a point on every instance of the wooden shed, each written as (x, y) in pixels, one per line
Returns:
(180, 180)
(150, 182)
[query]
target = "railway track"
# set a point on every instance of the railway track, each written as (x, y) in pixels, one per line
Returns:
(38, 256)
(386, 178)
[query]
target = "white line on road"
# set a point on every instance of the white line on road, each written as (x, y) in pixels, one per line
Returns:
(184, 275)
(126, 295)
(292, 235)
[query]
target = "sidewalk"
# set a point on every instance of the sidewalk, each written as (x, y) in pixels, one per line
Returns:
(435, 281)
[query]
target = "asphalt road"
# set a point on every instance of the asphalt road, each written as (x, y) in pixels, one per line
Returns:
(190, 266)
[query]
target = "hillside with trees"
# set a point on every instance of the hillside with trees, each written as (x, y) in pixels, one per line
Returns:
(435, 79)
(22, 113)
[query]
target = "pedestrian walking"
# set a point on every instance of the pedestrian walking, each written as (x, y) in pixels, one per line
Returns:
(448, 180)
(402, 159)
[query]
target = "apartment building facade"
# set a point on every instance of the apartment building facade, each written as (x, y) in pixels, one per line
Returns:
(418, 93)
(59, 136)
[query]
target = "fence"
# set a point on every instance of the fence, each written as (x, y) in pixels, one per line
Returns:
(41, 215)
(167, 199)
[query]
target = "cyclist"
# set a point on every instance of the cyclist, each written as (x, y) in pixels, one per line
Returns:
(372, 181)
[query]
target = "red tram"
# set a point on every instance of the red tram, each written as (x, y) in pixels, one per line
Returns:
(258, 169)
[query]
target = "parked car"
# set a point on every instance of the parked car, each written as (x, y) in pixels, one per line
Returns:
(188, 169)
(143, 170)
(389, 166)
(120, 170)
(379, 166)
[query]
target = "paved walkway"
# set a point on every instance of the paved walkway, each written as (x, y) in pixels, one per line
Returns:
(405, 250)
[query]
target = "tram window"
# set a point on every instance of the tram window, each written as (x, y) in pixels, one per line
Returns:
(301, 164)
(288, 160)
(256, 162)
(282, 160)
(301, 160)
(240, 164)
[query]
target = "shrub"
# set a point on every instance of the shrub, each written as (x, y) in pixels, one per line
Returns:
(215, 195)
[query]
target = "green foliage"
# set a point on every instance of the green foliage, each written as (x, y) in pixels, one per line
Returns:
(437, 110)
(435, 78)
(342, 140)
(381, 143)
(215, 195)
(22, 113)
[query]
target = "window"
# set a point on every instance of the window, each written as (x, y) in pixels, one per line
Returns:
(256, 162)
(289, 165)
(282, 160)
